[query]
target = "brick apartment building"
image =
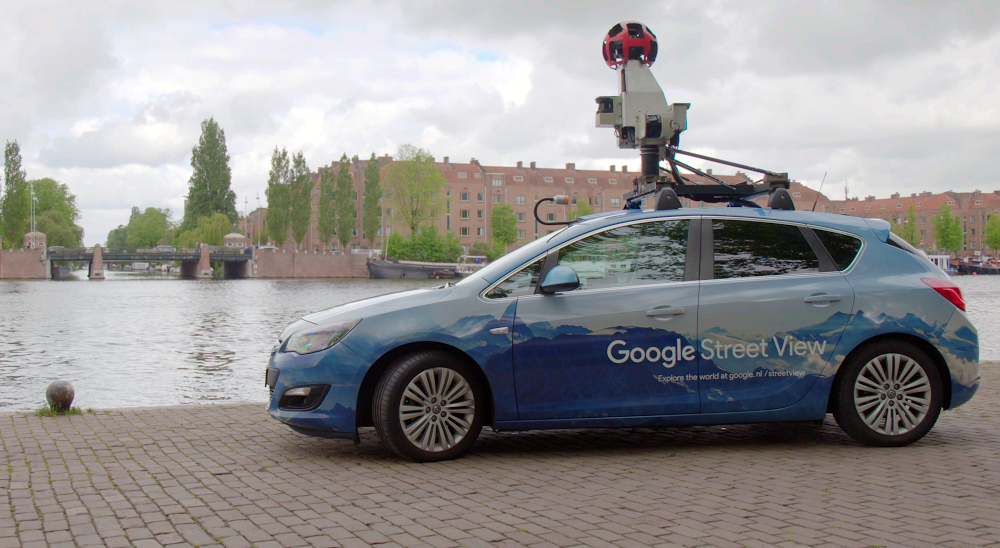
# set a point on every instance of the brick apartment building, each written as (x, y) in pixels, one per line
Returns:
(473, 189)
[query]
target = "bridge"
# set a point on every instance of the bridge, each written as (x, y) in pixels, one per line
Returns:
(195, 262)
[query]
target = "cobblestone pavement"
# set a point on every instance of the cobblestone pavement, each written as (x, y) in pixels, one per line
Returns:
(229, 475)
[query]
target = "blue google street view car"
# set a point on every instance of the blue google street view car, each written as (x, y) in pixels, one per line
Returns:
(645, 318)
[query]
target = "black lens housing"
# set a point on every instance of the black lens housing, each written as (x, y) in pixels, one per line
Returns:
(304, 403)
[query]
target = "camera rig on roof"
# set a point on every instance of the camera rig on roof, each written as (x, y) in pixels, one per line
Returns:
(642, 119)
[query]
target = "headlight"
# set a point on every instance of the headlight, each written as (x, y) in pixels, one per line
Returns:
(319, 338)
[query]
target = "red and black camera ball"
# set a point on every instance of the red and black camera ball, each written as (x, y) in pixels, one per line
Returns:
(629, 41)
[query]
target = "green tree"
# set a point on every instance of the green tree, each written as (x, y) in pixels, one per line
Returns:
(414, 184)
(947, 230)
(147, 228)
(581, 209)
(278, 194)
(118, 238)
(15, 204)
(425, 245)
(991, 236)
(372, 205)
(503, 227)
(326, 222)
(208, 230)
(344, 204)
(58, 229)
(907, 229)
(300, 199)
(209, 187)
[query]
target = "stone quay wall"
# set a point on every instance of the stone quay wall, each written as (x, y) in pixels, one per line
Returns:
(272, 263)
(24, 264)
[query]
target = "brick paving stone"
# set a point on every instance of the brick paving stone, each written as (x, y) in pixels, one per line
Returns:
(228, 475)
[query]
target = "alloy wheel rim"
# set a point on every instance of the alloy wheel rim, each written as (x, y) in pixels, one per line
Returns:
(437, 409)
(892, 394)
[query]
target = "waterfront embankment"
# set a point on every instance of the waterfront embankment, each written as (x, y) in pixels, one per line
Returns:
(228, 475)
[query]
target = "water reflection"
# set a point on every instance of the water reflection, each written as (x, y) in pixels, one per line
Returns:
(149, 339)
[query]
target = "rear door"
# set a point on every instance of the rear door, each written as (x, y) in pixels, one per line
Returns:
(773, 307)
(623, 344)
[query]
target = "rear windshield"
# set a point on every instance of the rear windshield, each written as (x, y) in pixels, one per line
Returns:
(842, 248)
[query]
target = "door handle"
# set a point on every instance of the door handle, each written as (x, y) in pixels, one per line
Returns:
(665, 312)
(822, 298)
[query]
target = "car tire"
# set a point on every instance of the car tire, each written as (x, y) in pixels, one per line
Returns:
(888, 394)
(411, 411)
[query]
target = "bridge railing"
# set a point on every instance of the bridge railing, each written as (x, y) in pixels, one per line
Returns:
(214, 250)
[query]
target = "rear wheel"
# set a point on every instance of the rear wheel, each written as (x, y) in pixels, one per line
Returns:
(428, 407)
(889, 394)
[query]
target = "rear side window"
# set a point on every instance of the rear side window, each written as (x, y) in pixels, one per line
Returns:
(841, 247)
(755, 248)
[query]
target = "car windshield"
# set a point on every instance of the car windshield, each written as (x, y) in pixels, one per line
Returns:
(512, 259)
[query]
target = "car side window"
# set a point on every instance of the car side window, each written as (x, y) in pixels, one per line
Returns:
(841, 247)
(522, 282)
(637, 254)
(756, 248)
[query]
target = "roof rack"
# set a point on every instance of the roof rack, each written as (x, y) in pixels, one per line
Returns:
(668, 189)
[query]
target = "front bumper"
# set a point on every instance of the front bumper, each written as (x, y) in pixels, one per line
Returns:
(339, 368)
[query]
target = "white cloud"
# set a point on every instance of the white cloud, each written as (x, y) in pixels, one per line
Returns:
(895, 96)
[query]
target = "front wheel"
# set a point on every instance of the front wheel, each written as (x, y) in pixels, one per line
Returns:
(888, 395)
(428, 407)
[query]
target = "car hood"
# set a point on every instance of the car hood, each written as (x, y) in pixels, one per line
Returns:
(380, 305)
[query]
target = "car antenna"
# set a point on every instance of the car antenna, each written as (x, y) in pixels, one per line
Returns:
(818, 191)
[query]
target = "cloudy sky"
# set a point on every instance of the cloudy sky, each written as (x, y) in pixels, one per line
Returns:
(107, 97)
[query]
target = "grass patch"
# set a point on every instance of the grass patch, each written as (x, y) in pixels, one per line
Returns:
(49, 412)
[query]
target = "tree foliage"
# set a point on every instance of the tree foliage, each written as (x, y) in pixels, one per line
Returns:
(15, 204)
(372, 205)
(117, 238)
(208, 230)
(908, 230)
(148, 228)
(344, 203)
(991, 236)
(278, 194)
(947, 230)
(414, 184)
(484, 249)
(581, 209)
(503, 227)
(326, 223)
(58, 229)
(300, 202)
(209, 187)
(425, 245)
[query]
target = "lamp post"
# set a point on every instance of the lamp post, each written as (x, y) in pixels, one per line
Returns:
(31, 189)
(256, 220)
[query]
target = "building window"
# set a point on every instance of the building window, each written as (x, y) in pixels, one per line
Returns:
(479, 197)
(614, 202)
(797, 194)
(973, 232)
(951, 202)
(519, 200)
(354, 232)
(921, 220)
(979, 202)
(592, 180)
(520, 234)
(518, 178)
(477, 175)
(854, 209)
(899, 206)
(921, 233)
(465, 197)
(612, 181)
(547, 179)
(497, 182)
(498, 198)
(479, 214)
(572, 200)
(464, 214)
(479, 231)
(550, 217)
(388, 212)
(973, 245)
(867, 208)
(843, 209)
(354, 197)
(520, 217)
(881, 207)
(597, 200)
(569, 180)
(463, 175)
(464, 231)
(379, 231)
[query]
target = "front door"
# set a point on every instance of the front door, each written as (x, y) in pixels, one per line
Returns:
(623, 343)
(773, 308)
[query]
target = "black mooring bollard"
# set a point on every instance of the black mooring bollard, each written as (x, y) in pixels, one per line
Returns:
(60, 395)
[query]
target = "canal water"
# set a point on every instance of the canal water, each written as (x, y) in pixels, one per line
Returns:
(146, 339)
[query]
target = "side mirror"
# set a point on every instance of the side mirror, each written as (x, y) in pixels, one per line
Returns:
(560, 278)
